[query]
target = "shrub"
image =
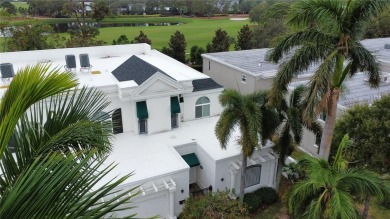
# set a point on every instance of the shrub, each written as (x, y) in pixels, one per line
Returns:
(268, 195)
(213, 205)
(252, 201)
(256, 199)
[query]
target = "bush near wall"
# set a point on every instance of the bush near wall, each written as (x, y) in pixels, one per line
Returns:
(259, 198)
(216, 205)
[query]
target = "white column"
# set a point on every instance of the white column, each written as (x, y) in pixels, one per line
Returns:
(172, 191)
(272, 173)
(233, 173)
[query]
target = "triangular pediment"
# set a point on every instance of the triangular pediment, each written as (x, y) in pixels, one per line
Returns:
(158, 84)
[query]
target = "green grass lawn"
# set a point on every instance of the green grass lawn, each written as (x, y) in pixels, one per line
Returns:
(20, 4)
(197, 31)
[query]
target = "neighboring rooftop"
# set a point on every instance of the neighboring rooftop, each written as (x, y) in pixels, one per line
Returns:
(357, 90)
(253, 61)
(205, 84)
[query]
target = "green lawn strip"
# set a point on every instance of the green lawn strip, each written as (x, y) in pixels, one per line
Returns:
(297, 154)
(20, 4)
(197, 32)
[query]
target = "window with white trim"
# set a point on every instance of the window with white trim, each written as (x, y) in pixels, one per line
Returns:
(202, 107)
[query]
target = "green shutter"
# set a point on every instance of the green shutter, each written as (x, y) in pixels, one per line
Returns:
(142, 110)
(191, 159)
(175, 106)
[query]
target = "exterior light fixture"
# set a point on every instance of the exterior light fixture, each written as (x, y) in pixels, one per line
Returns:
(182, 191)
(201, 167)
(222, 179)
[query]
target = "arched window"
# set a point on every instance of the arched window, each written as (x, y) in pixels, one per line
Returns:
(202, 107)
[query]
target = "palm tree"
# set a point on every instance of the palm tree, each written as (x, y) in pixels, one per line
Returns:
(54, 141)
(328, 34)
(292, 128)
(246, 112)
(329, 189)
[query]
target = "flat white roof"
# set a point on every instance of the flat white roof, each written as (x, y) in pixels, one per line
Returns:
(104, 59)
(151, 156)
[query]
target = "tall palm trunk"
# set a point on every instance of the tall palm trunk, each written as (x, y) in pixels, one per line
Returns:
(279, 173)
(366, 206)
(243, 173)
(330, 122)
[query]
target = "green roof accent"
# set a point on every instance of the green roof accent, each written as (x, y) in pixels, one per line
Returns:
(175, 106)
(191, 159)
(142, 110)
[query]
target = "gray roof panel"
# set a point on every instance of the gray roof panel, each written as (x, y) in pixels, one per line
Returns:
(137, 70)
(205, 84)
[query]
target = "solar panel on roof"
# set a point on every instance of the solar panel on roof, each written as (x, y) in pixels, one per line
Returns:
(84, 61)
(7, 70)
(70, 61)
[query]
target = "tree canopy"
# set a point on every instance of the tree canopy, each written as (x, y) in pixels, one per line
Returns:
(369, 128)
(220, 42)
(328, 34)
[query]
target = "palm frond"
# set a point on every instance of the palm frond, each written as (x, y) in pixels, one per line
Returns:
(68, 184)
(360, 12)
(294, 41)
(307, 11)
(225, 126)
(72, 124)
(318, 88)
(363, 60)
(30, 85)
(302, 59)
(342, 205)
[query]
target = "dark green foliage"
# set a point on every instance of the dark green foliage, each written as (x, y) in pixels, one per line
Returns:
(30, 36)
(177, 45)
(270, 18)
(166, 51)
(216, 205)
(122, 39)
(52, 8)
(369, 127)
(220, 42)
(262, 196)
(142, 38)
(83, 36)
(23, 11)
(100, 10)
(268, 195)
(244, 38)
(9, 8)
(196, 55)
(253, 202)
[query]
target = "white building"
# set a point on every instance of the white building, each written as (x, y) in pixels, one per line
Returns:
(245, 70)
(166, 113)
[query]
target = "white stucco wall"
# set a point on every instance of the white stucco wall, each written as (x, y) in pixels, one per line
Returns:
(228, 77)
(159, 110)
(190, 99)
(205, 177)
(158, 203)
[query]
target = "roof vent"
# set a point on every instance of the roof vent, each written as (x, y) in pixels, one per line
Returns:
(84, 61)
(70, 62)
(387, 46)
(261, 62)
(7, 71)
